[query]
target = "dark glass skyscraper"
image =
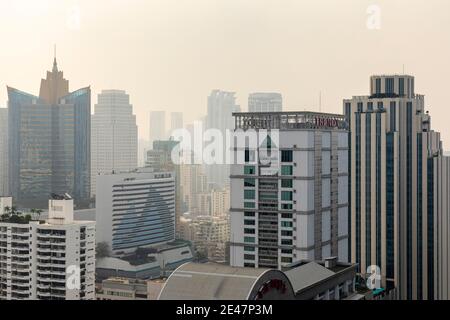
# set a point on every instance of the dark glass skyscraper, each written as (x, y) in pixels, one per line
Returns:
(392, 147)
(49, 145)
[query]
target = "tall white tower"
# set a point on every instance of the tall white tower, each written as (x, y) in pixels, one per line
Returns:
(114, 135)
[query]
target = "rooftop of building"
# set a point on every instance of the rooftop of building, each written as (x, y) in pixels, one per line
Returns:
(206, 281)
(290, 120)
(304, 274)
(142, 170)
(203, 281)
(145, 255)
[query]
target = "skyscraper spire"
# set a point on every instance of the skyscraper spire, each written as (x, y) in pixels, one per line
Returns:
(55, 65)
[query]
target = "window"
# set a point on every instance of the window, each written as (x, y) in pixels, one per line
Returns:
(401, 86)
(249, 257)
(286, 224)
(286, 251)
(249, 231)
(360, 107)
(286, 183)
(286, 156)
(249, 265)
(286, 195)
(286, 215)
(249, 222)
(249, 205)
(249, 170)
(380, 105)
(249, 155)
(286, 170)
(378, 86)
(370, 106)
(249, 249)
(286, 259)
(249, 239)
(249, 182)
(249, 214)
(286, 233)
(286, 206)
(389, 85)
(286, 242)
(249, 194)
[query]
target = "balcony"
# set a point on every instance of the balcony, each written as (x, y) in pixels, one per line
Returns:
(272, 262)
(268, 227)
(265, 243)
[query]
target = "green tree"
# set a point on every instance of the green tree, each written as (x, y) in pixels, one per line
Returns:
(102, 250)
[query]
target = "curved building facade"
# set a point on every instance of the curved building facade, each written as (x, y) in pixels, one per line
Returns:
(135, 209)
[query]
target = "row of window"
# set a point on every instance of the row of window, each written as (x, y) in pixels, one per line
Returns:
(285, 183)
(286, 170)
(286, 156)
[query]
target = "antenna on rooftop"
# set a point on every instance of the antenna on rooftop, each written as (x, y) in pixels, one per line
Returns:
(320, 101)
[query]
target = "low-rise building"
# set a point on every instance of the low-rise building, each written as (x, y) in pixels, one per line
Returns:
(145, 263)
(129, 289)
(304, 280)
(209, 235)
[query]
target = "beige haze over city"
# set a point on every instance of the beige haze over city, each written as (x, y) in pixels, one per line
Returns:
(169, 54)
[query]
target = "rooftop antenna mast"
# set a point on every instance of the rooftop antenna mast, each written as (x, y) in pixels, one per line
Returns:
(320, 101)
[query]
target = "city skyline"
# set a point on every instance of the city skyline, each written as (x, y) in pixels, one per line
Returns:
(228, 149)
(206, 33)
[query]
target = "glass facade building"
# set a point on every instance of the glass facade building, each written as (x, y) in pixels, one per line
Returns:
(391, 142)
(49, 145)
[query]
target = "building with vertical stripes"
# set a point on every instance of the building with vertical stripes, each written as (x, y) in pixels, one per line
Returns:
(441, 225)
(391, 171)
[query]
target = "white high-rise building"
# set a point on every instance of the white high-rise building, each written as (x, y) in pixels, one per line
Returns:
(265, 102)
(220, 202)
(4, 190)
(48, 260)
(289, 197)
(135, 209)
(176, 121)
(192, 184)
(221, 105)
(114, 135)
(157, 127)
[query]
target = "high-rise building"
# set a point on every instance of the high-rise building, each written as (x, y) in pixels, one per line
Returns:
(391, 198)
(114, 135)
(160, 159)
(176, 121)
(220, 202)
(265, 102)
(440, 250)
(135, 209)
(4, 190)
(193, 182)
(221, 105)
(48, 260)
(289, 195)
(49, 142)
(157, 127)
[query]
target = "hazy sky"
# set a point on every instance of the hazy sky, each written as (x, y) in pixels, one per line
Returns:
(169, 54)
